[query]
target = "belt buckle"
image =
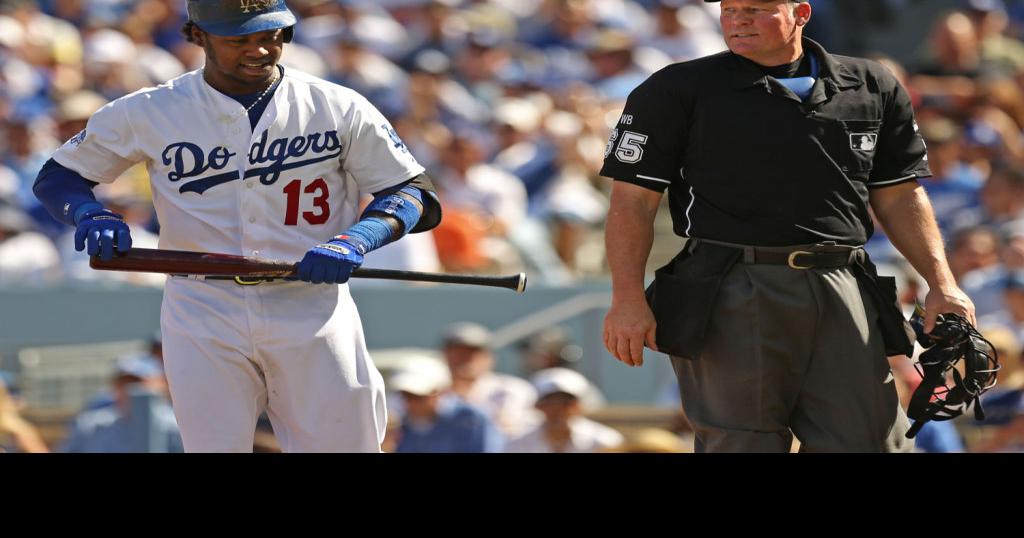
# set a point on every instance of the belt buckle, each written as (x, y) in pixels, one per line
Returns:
(241, 281)
(791, 261)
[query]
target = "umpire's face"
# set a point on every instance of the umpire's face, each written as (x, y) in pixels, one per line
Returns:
(765, 31)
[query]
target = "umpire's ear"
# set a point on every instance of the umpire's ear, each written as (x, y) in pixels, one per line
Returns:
(802, 12)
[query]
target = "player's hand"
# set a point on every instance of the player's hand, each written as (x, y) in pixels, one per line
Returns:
(100, 231)
(331, 262)
(628, 327)
(947, 300)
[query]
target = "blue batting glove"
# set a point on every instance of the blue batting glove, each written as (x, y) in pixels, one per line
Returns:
(100, 231)
(332, 262)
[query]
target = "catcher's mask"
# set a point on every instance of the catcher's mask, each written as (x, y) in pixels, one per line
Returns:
(952, 339)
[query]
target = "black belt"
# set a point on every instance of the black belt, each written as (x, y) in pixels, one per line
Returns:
(802, 257)
(240, 280)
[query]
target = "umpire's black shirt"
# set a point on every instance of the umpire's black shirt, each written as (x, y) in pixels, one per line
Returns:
(745, 161)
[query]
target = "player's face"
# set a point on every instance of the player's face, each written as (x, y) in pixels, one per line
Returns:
(242, 64)
(765, 31)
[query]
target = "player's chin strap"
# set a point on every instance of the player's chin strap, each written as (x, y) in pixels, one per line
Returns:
(953, 339)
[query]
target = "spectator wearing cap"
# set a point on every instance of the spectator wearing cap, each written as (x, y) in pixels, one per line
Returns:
(437, 421)
(550, 348)
(149, 364)
(139, 420)
(615, 72)
(506, 399)
(560, 394)
(26, 256)
(73, 112)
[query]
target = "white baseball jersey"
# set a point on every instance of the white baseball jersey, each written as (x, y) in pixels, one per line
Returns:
(218, 186)
(293, 349)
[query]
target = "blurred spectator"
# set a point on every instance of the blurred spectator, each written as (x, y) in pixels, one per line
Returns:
(1011, 315)
(560, 393)
(554, 348)
(506, 399)
(614, 71)
(683, 31)
(436, 421)
(973, 249)
(954, 187)
(16, 434)
(26, 256)
(974, 258)
(550, 348)
(999, 52)
(150, 363)
(140, 420)
(479, 192)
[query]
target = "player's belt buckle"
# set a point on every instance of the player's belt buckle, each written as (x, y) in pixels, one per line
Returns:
(791, 261)
(241, 281)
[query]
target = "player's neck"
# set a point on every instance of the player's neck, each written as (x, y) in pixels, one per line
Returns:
(229, 86)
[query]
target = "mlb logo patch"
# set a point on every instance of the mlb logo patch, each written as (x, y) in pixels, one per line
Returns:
(863, 141)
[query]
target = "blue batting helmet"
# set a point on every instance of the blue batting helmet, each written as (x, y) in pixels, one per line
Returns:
(239, 17)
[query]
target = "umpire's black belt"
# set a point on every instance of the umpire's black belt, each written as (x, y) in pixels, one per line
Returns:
(819, 255)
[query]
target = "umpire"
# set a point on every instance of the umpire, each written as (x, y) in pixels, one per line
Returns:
(776, 322)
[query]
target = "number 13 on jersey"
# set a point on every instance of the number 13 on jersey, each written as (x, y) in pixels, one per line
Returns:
(317, 188)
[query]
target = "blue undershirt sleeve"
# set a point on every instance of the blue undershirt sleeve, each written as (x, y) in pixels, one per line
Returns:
(64, 193)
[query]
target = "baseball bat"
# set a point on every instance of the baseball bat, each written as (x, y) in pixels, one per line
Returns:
(147, 260)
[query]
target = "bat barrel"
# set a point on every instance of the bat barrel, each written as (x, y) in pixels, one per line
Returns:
(512, 282)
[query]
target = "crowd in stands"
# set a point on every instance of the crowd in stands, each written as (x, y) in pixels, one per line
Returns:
(508, 104)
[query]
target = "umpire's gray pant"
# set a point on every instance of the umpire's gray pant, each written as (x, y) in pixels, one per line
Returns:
(792, 352)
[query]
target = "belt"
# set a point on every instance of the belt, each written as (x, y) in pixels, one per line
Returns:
(240, 280)
(799, 257)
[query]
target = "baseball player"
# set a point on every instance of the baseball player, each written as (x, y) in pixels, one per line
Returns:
(246, 157)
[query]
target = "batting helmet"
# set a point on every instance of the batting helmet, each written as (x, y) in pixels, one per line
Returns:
(239, 17)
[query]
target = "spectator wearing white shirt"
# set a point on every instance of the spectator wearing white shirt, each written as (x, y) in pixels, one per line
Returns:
(560, 392)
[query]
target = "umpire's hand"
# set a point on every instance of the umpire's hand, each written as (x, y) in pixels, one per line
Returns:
(629, 326)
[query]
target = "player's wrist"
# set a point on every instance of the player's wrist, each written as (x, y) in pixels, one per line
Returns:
(85, 210)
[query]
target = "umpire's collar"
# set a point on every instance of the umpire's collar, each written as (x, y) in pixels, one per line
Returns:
(747, 74)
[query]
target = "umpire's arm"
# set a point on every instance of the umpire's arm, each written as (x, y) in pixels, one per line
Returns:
(629, 234)
(906, 215)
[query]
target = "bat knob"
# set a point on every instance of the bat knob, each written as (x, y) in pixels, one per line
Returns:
(521, 285)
